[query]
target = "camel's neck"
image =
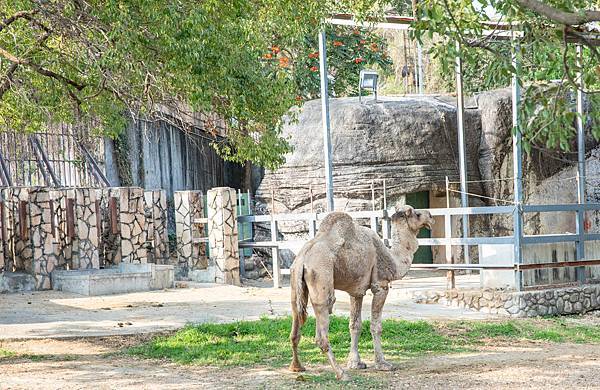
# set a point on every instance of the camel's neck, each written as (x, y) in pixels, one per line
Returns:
(404, 245)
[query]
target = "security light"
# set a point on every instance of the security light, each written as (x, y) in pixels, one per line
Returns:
(368, 80)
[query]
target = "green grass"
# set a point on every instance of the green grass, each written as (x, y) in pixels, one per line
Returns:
(6, 354)
(556, 330)
(266, 341)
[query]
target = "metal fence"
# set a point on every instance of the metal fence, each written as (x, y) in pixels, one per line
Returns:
(379, 221)
(61, 156)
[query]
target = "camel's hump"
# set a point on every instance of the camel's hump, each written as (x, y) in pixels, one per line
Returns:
(337, 221)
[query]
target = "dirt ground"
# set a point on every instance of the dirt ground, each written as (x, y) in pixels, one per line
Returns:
(56, 314)
(92, 363)
(66, 341)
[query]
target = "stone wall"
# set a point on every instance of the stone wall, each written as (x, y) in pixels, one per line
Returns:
(556, 301)
(85, 240)
(223, 235)
(191, 253)
(156, 226)
(43, 234)
(43, 229)
(123, 225)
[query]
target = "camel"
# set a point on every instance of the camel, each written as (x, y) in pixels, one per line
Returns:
(349, 257)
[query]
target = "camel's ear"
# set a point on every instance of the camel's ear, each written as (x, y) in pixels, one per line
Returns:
(405, 209)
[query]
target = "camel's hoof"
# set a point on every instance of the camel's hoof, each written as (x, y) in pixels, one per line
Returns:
(344, 377)
(296, 368)
(384, 366)
(356, 365)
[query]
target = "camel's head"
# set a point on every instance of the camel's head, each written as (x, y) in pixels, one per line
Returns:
(414, 219)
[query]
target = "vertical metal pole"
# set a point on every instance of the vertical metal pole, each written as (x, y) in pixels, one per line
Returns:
(580, 218)
(517, 167)
(460, 120)
(275, 250)
(326, 123)
(241, 236)
(450, 279)
(384, 196)
(420, 68)
(373, 195)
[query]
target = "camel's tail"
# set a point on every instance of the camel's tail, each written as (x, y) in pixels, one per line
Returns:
(299, 293)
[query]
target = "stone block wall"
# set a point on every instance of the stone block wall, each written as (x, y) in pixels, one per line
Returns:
(155, 205)
(223, 235)
(132, 225)
(17, 251)
(123, 226)
(555, 301)
(191, 253)
(85, 241)
(43, 240)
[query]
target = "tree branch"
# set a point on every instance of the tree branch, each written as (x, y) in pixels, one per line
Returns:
(8, 79)
(560, 16)
(40, 69)
(21, 14)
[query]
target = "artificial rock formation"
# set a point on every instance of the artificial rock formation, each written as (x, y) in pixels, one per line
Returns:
(410, 142)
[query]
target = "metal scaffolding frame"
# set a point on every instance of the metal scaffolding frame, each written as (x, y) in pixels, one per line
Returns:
(499, 31)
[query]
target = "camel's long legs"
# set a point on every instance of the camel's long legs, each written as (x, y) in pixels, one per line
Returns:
(355, 329)
(295, 339)
(376, 308)
(322, 337)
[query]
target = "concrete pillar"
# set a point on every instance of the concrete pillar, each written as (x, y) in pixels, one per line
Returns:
(46, 255)
(223, 235)
(85, 243)
(191, 253)
(156, 226)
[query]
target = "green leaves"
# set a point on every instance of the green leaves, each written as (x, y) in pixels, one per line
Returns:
(548, 108)
(140, 56)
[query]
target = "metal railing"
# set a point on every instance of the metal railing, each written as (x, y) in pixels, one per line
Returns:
(378, 217)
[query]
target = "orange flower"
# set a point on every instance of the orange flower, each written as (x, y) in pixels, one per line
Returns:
(284, 62)
(299, 98)
(358, 60)
(338, 43)
(314, 55)
(268, 56)
(374, 46)
(314, 69)
(362, 42)
(356, 31)
(275, 49)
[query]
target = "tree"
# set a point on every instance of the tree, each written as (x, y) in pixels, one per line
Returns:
(545, 49)
(94, 61)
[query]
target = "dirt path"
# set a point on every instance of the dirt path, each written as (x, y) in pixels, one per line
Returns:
(54, 314)
(92, 363)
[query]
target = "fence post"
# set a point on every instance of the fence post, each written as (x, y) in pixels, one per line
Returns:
(451, 280)
(223, 235)
(275, 250)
